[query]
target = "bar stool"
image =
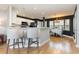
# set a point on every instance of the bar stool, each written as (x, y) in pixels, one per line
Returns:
(32, 33)
(24, 34)
(21, 36)
(13, 38)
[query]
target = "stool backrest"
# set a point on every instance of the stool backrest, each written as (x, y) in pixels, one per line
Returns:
(32, 32)
(20, 32)
(25, 33)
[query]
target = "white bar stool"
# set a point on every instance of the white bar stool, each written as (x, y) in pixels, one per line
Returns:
(32, 33)
(13, 38)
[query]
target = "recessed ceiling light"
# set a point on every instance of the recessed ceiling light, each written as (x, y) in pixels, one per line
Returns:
(35, 8)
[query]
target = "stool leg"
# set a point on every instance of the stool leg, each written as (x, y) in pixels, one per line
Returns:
(14, 44)
(38, 44)
(28, 45)
(22, 42)
(8, 46)
(18, 46)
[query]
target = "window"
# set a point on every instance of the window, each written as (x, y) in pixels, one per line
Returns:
(64, 24)
(67, 24)
(51, 24)
(59, 23)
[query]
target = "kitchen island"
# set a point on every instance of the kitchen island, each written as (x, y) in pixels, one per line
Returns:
(43, 34)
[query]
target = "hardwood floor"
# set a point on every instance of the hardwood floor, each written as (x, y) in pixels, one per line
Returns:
(56, 45)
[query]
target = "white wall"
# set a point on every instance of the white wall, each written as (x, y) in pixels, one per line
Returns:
(3, 18)
(3, 22)
(76, 26)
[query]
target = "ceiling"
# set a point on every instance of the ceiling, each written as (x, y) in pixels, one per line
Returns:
(43, 10)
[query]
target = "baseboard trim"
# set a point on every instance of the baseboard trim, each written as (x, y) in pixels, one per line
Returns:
(43, 43)
(68, 36)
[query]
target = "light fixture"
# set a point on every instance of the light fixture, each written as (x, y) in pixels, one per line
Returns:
(35, 8)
